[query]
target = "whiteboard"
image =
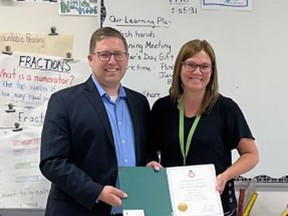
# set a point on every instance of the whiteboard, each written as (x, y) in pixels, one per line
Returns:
(251, 49)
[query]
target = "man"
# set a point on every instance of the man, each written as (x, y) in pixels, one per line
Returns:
(90, 130)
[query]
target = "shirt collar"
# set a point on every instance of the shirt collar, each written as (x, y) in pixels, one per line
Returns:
(102, 92)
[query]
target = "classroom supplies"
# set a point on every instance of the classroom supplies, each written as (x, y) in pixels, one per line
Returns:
(285, 212)
(241, 201)
(250, 203)
(249, 190)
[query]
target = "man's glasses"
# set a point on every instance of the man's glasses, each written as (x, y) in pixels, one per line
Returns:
(192, 66)
(105, 56)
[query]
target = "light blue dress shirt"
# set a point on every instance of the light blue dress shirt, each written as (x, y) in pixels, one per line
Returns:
(122, 128)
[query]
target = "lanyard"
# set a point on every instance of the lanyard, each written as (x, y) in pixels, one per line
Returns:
(181, 132)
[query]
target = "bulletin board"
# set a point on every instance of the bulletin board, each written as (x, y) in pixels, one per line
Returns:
(41, 17)
(32, 69)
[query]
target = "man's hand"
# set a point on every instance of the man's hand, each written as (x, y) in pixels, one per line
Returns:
(112, 196)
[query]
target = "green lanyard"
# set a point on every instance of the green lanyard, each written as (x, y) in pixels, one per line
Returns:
(181, 132)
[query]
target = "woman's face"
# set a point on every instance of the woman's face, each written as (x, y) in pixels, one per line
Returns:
(196, 72)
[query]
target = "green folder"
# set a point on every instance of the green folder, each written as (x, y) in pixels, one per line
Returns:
(147, 189)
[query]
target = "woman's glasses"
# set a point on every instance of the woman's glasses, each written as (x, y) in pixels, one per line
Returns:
(192, 66)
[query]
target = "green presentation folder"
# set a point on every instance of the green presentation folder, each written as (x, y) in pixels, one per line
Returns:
(147, 189)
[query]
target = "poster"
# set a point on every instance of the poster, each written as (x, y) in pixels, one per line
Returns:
(27, 82)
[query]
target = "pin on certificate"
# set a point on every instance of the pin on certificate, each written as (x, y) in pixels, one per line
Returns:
(193, 191)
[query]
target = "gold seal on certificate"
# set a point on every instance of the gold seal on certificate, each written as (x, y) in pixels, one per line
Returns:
(182, 206)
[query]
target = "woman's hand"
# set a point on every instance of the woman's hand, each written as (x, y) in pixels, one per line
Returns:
(156, 166)
(221, 182)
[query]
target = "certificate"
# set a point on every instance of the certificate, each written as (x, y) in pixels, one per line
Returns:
(193, 191)
(174, 191)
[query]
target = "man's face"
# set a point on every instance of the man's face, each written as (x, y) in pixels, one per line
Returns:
(109, 69)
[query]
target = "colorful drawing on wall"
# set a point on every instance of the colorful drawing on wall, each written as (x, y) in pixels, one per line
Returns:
(78, 7)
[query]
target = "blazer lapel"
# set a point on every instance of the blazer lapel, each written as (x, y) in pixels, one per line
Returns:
(135, 121)
(96, 101)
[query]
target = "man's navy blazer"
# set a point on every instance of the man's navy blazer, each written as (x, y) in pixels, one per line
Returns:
(77, 148)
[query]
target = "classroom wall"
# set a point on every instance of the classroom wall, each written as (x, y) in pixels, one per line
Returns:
(29, 17)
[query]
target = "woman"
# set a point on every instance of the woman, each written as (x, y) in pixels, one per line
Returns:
(197, 125)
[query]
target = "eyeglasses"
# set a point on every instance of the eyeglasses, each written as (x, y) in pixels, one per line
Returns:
(192, 66)
(105, 56)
